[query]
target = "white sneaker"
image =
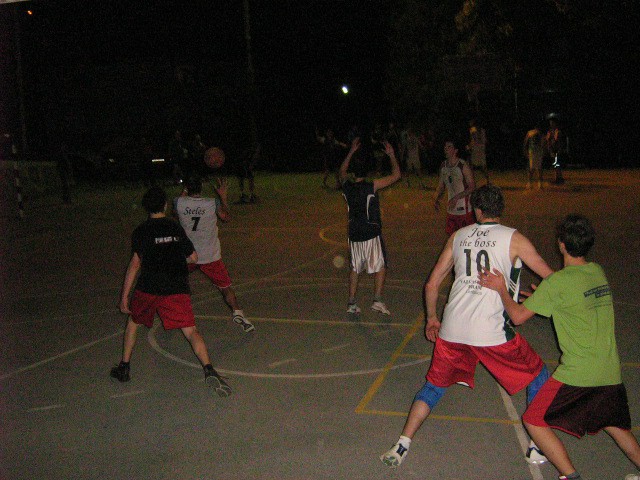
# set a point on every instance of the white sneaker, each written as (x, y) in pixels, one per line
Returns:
(394, 456)
(534, 456)
(380, 307)
(246, 325)
(632, 476)
(353, 308)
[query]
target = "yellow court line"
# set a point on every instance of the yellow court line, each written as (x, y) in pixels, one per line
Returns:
(375, 386)
(503, 421)
(415, 355)
(361, 408)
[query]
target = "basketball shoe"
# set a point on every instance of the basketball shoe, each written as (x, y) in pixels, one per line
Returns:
(395, 455)
(213, 379)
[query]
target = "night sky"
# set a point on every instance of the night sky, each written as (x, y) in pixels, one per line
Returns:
(303, 51)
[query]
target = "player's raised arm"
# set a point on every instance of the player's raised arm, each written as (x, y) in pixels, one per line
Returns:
(394, 176)
(355, 146)
(223, 211)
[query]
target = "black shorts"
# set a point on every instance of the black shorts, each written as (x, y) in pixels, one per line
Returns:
(579, 410)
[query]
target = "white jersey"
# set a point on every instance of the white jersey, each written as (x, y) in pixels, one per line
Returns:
(475, 315)
(453, 179)
(198, 217)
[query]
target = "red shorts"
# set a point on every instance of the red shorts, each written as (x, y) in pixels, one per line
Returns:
(456, 222)
(513, 364)
(579, 410)
(175, 311)
(216, 271)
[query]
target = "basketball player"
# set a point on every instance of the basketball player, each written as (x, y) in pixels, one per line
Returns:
(198, 216)
(457, 177)
(475, 327)
(366, 246)
(161, 252)
(585, 393)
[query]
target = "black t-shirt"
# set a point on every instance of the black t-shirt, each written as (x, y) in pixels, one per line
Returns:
(364, 210)
(163, 247)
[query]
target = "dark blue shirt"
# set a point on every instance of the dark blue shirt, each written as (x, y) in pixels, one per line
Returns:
(364, 210)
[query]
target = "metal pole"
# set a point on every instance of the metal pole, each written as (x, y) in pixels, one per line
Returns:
(20, 81)
(253, 127)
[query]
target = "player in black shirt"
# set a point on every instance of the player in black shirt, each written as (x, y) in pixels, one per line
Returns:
(366, 246)
(160, 253)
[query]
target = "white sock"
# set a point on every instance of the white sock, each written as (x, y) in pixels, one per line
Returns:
(238, 312)
(404, 441)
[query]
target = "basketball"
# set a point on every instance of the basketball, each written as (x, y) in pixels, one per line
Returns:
(214, 157)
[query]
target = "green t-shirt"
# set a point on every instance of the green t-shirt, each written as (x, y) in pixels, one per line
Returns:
(579, 300)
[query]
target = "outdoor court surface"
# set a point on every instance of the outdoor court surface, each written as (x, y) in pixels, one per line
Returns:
(317, 394)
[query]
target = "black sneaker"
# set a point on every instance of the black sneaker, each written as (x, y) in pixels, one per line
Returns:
(120, 373)
(213, 379)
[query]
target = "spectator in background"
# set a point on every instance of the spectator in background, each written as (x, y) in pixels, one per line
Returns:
(477, 147)
(427, 144)
(146, 157)
(331, 154)
(533, 149)
(178, 155)
(196, 156)
(412, 148)
(558, 148)
(246, 176)
(377, 146)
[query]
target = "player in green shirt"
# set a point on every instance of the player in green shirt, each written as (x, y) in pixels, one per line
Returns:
(585, 394)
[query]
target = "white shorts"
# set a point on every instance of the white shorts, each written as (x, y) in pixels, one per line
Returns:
(368, 255)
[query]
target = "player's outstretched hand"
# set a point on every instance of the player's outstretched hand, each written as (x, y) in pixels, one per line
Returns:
(388, 148)
(221, 187)
(526, 294)
(355, 145)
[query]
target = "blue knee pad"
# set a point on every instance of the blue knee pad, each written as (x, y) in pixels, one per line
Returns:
(534, 386)
(430, 394)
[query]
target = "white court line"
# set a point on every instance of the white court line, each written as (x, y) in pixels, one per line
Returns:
(61, 355)
(523, 439)
(336, 348)
(270, 277)
(62, 317)
(309, 322)
(282, 362)
(44, 409)
(154, 344)
(127, 394)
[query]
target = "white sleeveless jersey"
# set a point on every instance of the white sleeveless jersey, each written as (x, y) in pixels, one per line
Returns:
(475, 315)
(198, 217)
(455, 182)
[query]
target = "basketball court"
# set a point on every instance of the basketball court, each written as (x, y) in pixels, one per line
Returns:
(317, 394)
